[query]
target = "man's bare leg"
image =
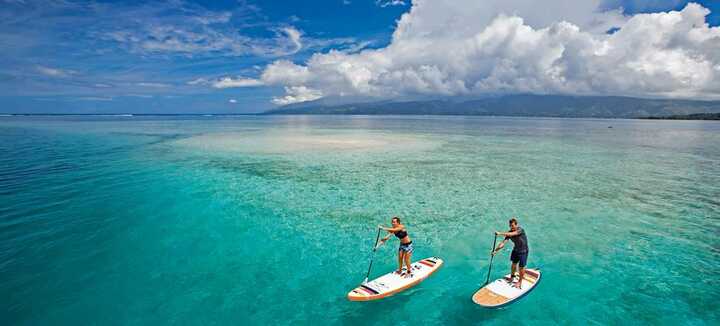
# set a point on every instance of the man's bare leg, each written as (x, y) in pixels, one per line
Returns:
(513, 268)
(522, 275)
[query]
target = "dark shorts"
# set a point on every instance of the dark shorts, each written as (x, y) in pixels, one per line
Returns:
(516, 257)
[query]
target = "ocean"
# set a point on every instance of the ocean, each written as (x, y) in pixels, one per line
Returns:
(270, 220)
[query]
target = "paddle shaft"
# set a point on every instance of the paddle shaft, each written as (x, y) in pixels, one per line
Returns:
(491, 260)
(372, 257)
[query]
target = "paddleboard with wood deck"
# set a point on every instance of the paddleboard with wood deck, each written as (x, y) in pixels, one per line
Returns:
(502, 292)
(391, 283)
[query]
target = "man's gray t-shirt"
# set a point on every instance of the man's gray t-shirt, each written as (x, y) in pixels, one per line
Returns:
(519, 241)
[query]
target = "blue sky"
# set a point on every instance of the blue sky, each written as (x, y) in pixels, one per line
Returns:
(133, 56)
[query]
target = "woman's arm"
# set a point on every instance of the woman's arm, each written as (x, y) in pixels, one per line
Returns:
(392, 230)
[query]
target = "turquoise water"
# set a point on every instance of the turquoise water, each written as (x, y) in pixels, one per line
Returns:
(269, 220)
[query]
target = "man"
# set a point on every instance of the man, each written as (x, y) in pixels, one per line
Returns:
(520, 249)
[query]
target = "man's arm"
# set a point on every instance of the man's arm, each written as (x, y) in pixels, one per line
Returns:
(499, 247)
(508, 234)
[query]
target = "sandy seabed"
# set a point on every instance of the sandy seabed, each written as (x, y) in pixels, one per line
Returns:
(280, 142)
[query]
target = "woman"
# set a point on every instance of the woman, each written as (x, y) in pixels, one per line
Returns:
(406, 248)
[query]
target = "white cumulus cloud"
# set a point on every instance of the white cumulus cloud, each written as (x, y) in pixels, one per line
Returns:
(468, 47)
(295, 94)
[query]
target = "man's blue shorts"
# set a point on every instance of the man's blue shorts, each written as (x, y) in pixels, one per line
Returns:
(518, 257)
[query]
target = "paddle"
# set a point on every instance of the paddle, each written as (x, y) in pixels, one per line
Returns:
(372, 257)
(491, 260)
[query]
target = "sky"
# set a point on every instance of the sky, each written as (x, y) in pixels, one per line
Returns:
(63, 56)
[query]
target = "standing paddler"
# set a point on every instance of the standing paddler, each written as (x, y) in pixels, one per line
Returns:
(520, 251)
(406, 248)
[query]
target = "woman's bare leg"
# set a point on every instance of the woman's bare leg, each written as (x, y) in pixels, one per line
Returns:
(400, 261)
(407, 261)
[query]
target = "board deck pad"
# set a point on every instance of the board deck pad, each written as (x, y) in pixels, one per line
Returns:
(501, 292)
(391, 283)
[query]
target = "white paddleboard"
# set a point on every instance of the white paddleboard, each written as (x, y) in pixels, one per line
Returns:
(502, 292)
(391, 283)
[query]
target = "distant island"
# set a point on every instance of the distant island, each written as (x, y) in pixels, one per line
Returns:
(695, 116)
(520, 105)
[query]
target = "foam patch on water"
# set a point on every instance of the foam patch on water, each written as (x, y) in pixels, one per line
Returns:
(280, 142)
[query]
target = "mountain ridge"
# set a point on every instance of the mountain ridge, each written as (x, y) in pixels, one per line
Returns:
(514, 105)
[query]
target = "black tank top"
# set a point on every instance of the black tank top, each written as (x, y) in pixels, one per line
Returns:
(401, 234)
(520, 241)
